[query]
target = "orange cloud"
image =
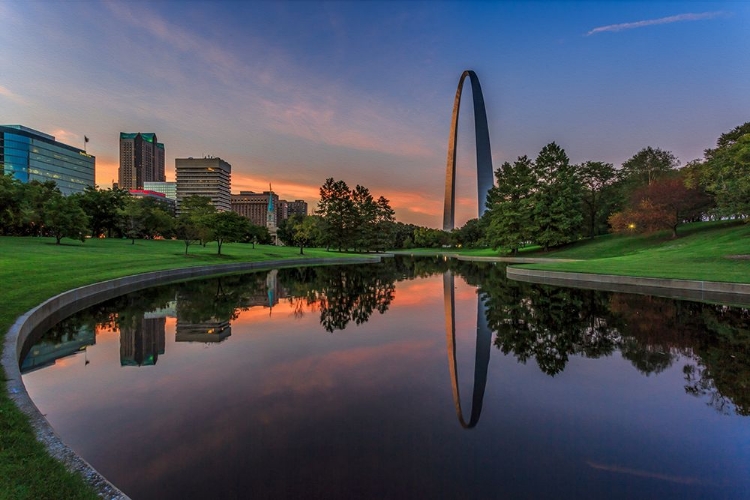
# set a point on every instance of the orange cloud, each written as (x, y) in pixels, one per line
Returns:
(285, 190)
(106, 172)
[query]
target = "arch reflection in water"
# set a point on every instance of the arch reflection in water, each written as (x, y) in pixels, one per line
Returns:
(482, 352)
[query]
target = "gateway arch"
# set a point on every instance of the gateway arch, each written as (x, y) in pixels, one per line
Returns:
(484, 155)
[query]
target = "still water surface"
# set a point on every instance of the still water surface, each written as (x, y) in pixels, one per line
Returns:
(408, 379)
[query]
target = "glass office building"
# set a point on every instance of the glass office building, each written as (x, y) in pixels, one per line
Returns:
(30, 155)
(168, 189)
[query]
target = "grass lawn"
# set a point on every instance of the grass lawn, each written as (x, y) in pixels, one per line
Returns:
(34, 269)
(702, 251)
(708, 251)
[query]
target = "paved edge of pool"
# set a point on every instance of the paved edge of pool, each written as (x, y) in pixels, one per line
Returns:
(711, 291)
(76, 299)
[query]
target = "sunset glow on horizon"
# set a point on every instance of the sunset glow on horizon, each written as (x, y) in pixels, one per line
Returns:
(291, 93)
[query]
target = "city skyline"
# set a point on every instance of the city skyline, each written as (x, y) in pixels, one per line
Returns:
(295, 92)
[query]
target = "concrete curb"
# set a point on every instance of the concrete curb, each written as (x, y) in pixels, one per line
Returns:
(478, 258)
(707, 291)
(60, 306)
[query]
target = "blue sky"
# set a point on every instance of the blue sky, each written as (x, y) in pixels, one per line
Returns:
(294, 92)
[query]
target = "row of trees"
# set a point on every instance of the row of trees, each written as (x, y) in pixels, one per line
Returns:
(353, 219)
(545, 201)
(39, 209)
(549, 202)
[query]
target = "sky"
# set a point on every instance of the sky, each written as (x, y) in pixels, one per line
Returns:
(293, 92)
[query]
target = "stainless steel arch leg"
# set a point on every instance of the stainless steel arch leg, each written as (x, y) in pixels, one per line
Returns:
(484, 153)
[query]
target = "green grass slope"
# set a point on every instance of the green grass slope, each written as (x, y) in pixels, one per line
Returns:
(703, 251)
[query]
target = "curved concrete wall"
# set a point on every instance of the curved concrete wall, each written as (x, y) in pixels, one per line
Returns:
(60, 306)
(707, 291)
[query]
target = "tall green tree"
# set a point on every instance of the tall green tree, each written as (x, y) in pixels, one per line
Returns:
(365, 216)
(337, 211)
(556, 200)
(509, 215)
(725, 172)
(385, 219)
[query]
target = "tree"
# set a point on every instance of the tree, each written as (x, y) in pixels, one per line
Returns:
(509, 213)
(64, 218)
(337, 211)
(199, 210)
(365, 215)
(284, 229)
(648, 165)
(102, 208)
(556, 215)
(425, 237)
(385, 219)
(725, 172)
(403, 235)
(9, 202)
(258, 235)
(595, 178)
(228, 227)
(34, 195)
(131, 216)
(186, 230)
(664, 204)
(305, 230)
(156, 221)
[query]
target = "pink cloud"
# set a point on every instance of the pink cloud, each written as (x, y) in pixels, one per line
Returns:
(335, 123)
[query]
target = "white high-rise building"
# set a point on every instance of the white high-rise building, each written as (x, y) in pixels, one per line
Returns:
(209, 177)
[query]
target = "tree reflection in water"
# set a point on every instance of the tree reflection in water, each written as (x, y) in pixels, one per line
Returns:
(550, 324)
(545, 323)
(340, 293)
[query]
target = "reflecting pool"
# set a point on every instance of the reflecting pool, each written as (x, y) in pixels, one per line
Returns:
(409, 379)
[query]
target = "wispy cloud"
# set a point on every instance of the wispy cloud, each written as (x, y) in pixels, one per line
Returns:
(293, 101)
(8, 94)
(662, 20)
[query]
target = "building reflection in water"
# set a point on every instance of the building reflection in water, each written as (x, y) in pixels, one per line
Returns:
(482, 352)
(46, 352)
(208, 331)
(142, 340)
